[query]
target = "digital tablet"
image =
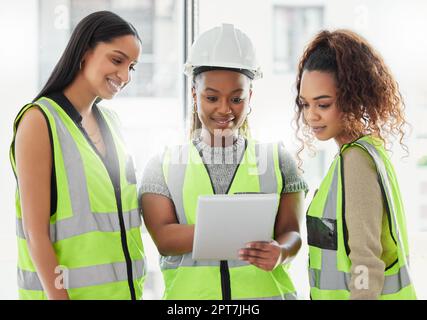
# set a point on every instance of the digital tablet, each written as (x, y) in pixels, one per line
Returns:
(225, 223)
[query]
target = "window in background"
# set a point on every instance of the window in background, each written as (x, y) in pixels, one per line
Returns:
(151, 18)
(293, 27)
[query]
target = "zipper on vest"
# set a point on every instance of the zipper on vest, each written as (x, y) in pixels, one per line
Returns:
(125, 247)
(225, 280)
(224, 271)
(117, 194)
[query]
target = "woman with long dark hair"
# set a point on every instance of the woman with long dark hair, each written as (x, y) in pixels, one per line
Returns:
(356, 227)
(222, 158)
(78, 222)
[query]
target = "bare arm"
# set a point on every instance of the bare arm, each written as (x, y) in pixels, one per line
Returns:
(287, 240)
(170, 237)
(287, 224)
(34, 166)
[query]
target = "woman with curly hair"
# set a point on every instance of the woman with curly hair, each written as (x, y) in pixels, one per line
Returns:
(357, 237)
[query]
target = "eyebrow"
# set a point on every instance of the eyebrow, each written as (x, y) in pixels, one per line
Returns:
(318, 97)
(212, 89)
(124, 54)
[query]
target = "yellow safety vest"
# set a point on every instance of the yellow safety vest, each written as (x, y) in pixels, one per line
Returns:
(187, 178)
(329, 263)
(95, 230)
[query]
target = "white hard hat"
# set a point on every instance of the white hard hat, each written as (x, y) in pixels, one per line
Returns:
(223, 47)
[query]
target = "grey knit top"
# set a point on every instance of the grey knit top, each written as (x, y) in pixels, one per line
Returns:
(221, 164)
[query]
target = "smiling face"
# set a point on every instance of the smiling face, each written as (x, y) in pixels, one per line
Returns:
(107, 68)
(318, 94)
(222, 98)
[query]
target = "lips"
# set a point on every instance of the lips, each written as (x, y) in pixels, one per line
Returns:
(114, 85)
(317, 129)
(223, 121)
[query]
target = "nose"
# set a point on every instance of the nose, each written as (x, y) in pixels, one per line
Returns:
(224, 106)
(311, 114)
(124, 74)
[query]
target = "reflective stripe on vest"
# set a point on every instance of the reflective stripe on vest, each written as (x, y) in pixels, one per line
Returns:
(84, 277)
(287, 296)
(338, 280)
(385, 182)
(328, 277)
(105, 222)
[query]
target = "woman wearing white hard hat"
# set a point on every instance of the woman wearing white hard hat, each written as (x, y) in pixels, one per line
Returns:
(222, 65)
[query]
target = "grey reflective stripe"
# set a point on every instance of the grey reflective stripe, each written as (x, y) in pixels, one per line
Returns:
(112, 118)
(287, 296)
(394, 283)
(77, 186)
(105, 222)
(337, 280)
(28, 280)
(175, 180)
(329, 257)
(84, 277)
(383, 173)
(174, 262)
(266, 168)
(330, 208)
(329, 279)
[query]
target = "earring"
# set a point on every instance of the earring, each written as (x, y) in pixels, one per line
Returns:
(80, 65)
(250, 110)
(194, 108)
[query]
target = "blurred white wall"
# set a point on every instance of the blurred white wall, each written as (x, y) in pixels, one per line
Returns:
(18, 83)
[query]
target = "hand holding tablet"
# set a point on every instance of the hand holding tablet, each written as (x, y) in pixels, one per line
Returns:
(226, 223)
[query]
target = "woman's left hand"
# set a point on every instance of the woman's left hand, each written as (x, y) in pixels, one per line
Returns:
(262, 254)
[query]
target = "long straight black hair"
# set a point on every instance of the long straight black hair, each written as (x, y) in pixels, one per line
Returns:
(100, 26)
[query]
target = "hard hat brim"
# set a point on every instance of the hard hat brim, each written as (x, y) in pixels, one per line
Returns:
(192, 71)
(201, 69)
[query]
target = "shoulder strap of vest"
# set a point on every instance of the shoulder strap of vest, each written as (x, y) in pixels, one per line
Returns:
(175, 160)
(268, 162)
(24, 109)
(112, 118)
(172, 157)
(16, 122)
(384, 181)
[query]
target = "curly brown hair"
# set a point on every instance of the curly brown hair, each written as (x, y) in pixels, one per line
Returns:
(367, 92)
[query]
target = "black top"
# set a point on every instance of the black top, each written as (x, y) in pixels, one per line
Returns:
(110, 160)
